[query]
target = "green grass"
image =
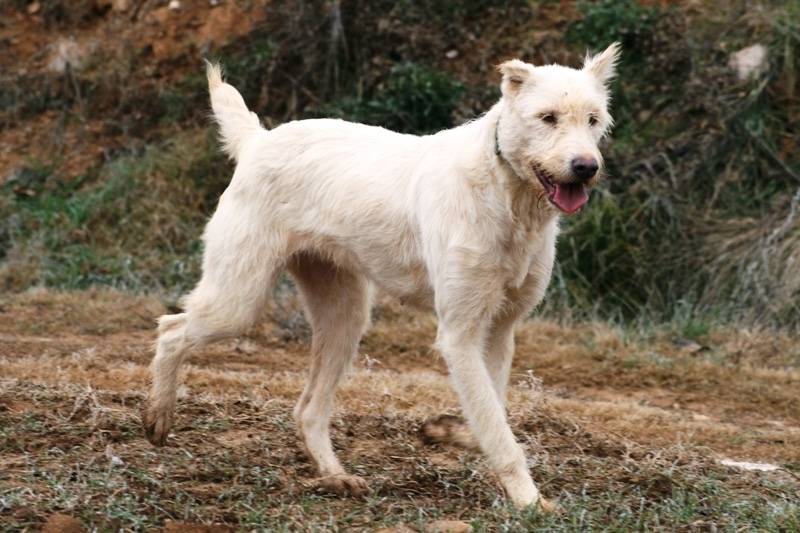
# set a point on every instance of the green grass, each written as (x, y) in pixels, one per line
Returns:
(134, 223)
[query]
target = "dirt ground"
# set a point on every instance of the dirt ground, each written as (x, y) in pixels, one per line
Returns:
(626, 430)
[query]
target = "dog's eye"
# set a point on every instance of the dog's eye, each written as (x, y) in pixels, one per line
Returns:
(592, 120)
(550, 118)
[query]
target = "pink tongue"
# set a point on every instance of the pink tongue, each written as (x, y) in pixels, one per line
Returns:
(569, 197)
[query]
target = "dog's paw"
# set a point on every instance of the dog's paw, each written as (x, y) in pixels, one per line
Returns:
(548, 506)
(156, 424)
(342, 484)
(448, 429)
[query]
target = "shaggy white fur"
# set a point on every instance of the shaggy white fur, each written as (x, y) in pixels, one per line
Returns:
(464, 221)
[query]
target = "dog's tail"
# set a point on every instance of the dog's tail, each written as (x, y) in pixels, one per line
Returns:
(236, 123)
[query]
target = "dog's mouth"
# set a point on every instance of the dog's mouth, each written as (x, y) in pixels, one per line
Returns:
(569, 198)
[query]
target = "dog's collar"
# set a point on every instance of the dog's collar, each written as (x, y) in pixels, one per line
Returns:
(497, 151)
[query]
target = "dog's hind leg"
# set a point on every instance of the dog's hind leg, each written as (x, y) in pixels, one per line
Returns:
(237, 279)
(337, 304)
(171, 346)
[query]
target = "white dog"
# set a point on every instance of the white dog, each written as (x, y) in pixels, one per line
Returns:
(464, 221)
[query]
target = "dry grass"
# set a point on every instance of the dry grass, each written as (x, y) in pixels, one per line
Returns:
(626, 430)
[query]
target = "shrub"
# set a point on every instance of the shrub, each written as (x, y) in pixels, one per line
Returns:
(413, 99)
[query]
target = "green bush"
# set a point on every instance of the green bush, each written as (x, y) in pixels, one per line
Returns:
(413, 99)
(628, 22)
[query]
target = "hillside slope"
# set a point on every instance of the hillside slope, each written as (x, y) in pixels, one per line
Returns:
(109, 167)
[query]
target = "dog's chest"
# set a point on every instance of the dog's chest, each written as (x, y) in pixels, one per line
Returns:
(530, 252)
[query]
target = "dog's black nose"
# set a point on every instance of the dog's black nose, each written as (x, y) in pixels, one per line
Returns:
(584, 168)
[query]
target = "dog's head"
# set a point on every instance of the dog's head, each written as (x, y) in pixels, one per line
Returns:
(551, 122)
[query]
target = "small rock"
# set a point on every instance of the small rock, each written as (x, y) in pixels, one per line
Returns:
(62, 523)
(448, 526)
(113, 458)
(174, 5)
(451, 54)
(399, 528)
(183, 391)
(746, 465)
(34, 8)
(171, 526)
(689, 346)
(67, 52)
(121, 5)
(246, 346)
(749, 62)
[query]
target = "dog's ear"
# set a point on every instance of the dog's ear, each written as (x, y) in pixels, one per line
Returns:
(515, 74)
(603, 66)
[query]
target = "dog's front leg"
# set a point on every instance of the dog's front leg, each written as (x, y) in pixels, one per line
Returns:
(461, 347)
(465, 303)
(451, 429)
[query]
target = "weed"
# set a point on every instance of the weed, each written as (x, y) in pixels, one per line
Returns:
(182, 101)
